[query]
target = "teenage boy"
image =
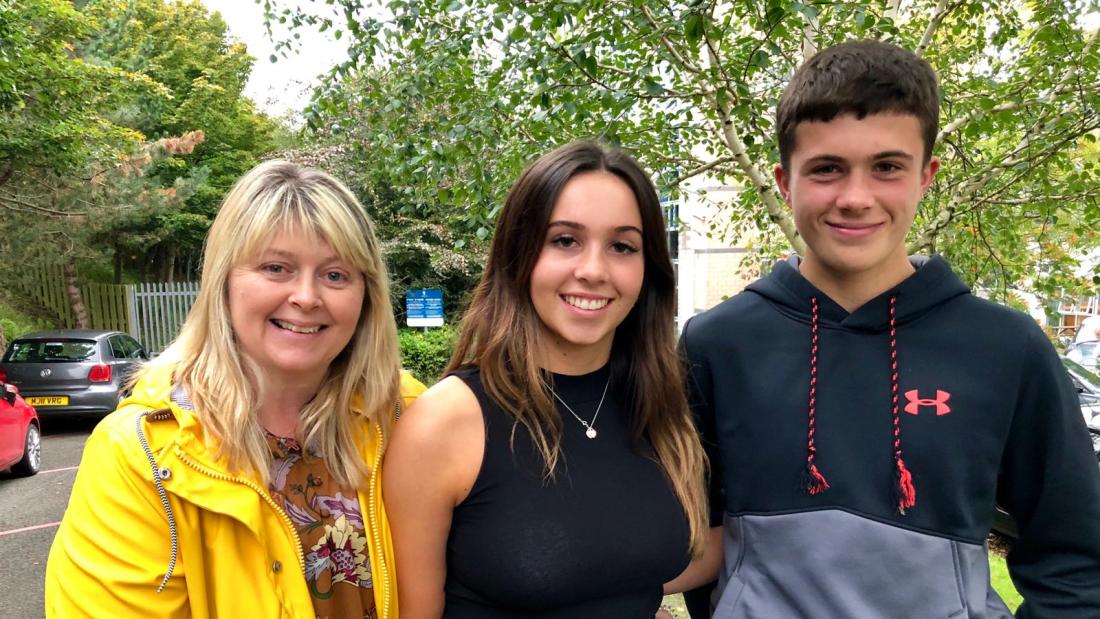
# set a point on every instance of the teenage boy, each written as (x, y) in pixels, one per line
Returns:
(864, 410)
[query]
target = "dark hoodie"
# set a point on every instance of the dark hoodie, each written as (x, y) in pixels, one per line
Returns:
(928, 405)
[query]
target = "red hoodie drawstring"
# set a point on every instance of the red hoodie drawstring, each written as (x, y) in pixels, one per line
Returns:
(906, 492)
(812, 480)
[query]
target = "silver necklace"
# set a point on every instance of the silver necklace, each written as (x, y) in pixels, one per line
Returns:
(589, 426)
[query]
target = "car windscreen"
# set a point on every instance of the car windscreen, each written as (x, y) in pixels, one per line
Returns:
(54, 350)
(1084, 353)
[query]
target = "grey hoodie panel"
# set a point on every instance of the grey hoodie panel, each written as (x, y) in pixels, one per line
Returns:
(832, 563)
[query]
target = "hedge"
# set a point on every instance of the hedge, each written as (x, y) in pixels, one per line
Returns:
(425, 354)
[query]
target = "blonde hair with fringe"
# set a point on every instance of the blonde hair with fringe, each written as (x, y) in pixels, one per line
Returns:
(501, 330)
(226, 387)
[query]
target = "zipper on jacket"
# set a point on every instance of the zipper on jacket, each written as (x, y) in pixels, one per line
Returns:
(173, 536)
(266, 497)
(376, 529)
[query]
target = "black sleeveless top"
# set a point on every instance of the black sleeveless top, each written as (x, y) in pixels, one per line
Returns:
(598, 541)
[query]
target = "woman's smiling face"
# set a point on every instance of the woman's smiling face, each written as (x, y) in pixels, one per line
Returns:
(295, 307)
(590, 270)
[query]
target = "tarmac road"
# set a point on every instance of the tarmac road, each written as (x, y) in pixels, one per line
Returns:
(30, 510)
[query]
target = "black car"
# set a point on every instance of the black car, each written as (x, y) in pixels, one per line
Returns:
(1088, 392)
(71, 370)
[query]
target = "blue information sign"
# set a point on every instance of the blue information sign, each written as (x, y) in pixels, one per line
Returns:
(424, 307)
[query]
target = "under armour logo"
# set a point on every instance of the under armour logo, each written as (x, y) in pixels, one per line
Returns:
(915, 402)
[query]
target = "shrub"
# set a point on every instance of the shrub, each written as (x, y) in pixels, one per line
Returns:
(425, 354)
(14, 323)
(429, 255)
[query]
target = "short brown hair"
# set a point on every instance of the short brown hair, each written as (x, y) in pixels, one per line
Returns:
(859, 78)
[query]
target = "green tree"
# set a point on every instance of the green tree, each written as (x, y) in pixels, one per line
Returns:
(51, 100)
(691, 86)
(121, 125)
(76, 219)
(187, 50)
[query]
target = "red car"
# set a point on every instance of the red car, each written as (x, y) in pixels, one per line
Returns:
(20, 434)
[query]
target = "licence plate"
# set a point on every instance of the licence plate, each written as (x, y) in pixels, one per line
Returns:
(48, 400)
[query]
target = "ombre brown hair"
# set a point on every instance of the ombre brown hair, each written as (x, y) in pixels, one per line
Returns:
(501, 330)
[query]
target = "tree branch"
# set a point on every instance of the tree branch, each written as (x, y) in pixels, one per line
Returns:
(704, 168)
(777, 213)
(993, 254)
(1033, 199)
(716, 62)
(942, 10)
(680, 59)
(963, 120)
(14, 203)
(979, 181)
(810, 29)
(764, 186)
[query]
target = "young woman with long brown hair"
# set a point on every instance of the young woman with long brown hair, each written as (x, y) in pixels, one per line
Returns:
(556, 471)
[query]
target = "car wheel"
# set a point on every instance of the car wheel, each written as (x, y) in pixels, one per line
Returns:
(32, 453)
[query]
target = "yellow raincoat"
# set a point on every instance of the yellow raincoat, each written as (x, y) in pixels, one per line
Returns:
(229, 550)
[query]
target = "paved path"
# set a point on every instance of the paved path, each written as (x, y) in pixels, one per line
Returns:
(30, 509)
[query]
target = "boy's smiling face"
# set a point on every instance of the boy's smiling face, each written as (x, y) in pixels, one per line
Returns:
(853, 186)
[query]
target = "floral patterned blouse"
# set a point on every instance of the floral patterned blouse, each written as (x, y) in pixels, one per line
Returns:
(329, 520)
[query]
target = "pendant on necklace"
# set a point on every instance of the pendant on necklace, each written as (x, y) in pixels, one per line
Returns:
(590, 432)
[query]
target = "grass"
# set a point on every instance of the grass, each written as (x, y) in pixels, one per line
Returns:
(998, 575)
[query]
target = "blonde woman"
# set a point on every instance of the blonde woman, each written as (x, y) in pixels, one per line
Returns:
(241, 477)
(556, 473)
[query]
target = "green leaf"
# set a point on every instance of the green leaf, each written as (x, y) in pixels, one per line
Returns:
(693, 28)
(774, 15)
(591, 65)
(809, 11)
